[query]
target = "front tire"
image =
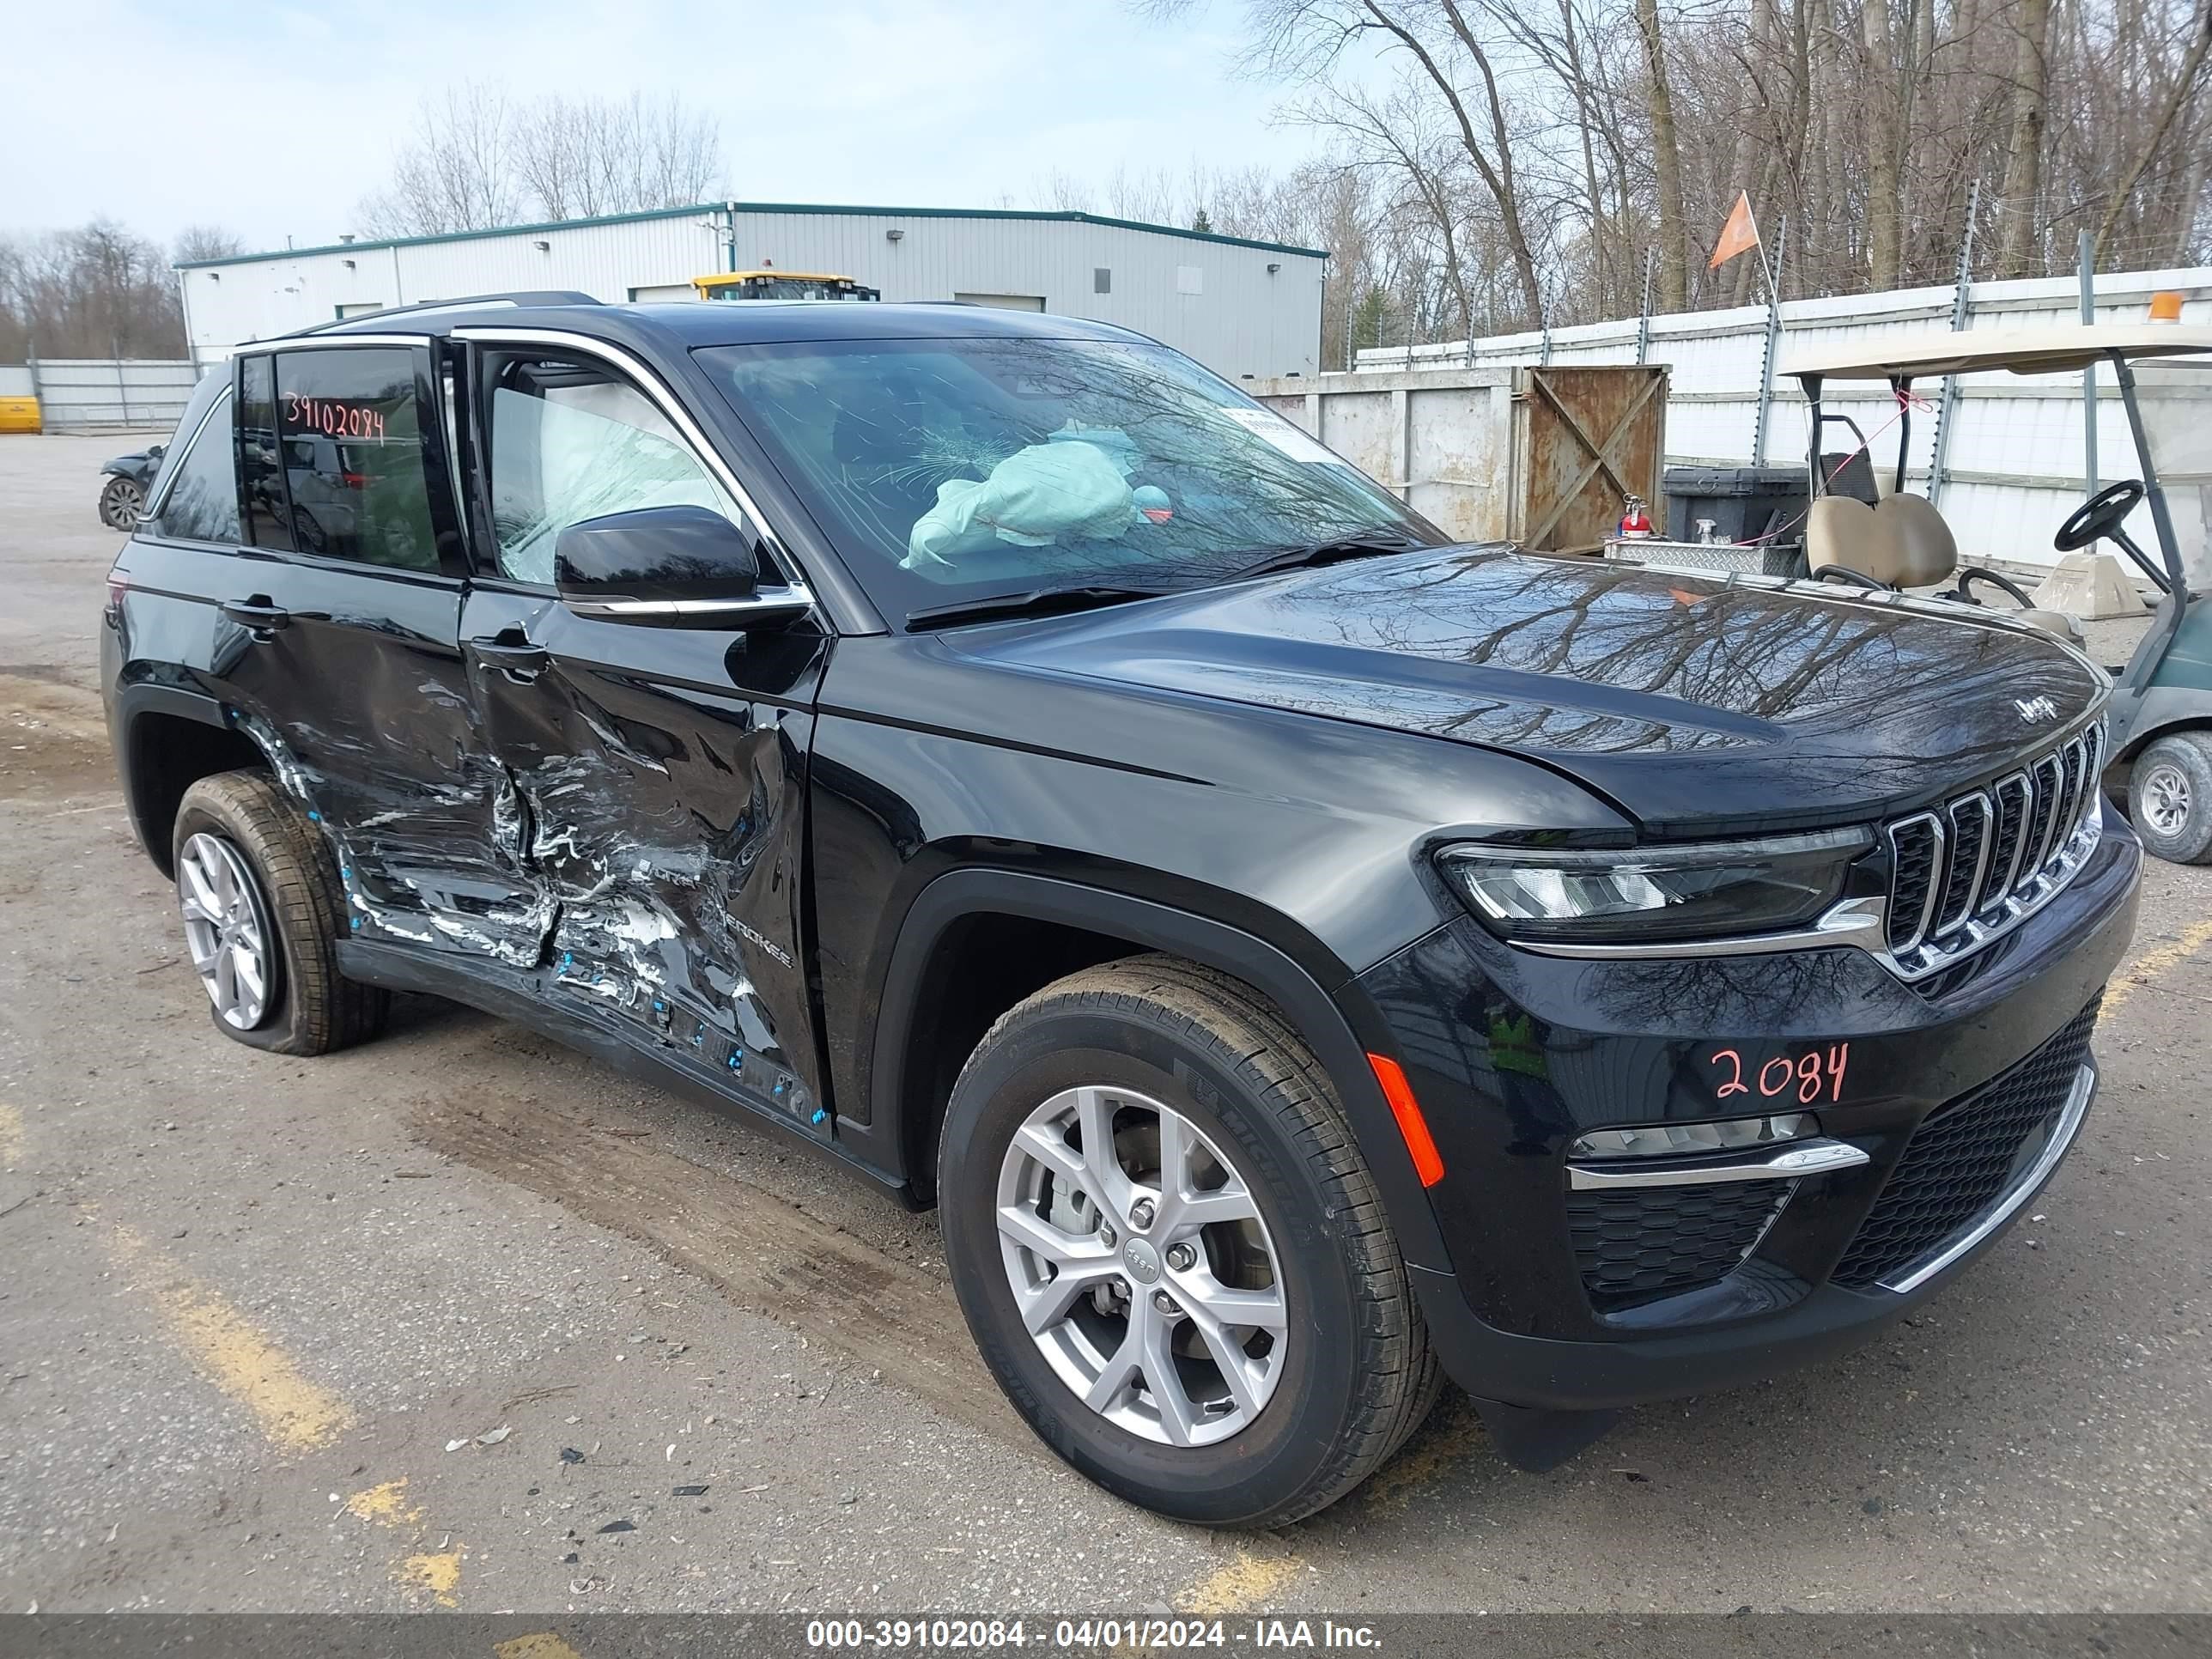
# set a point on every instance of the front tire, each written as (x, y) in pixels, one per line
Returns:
(2170, 798)
(121, 502)
(1170, 1250)
(264, 910)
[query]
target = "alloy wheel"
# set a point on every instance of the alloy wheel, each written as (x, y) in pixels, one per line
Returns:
(121, 503)
(1140, 1266)
(2165, 799)
(227, 928)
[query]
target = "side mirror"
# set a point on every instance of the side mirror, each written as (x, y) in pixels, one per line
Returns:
(154, 452)
(668, 566)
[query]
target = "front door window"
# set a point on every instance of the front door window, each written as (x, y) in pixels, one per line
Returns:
(570, 442)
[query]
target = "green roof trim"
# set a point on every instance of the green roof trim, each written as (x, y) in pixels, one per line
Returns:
(1055, 216)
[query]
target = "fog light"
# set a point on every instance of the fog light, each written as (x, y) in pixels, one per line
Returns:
(1689, 1139)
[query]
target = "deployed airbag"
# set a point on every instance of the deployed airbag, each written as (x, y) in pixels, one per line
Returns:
(1061, 489)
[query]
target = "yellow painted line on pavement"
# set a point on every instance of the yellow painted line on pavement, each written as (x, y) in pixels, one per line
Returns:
(2148, 966)
(1454, 1435)
(440, 1573)
(11, 1136)
(387, 1506)
(539, 1644)
(436, 1572)
(1245, 1583)
(239, 1356)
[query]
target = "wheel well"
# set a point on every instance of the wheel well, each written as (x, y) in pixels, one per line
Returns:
(983, 965)
(165, 756)
(2198, 725)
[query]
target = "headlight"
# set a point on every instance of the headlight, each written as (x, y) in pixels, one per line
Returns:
(1713, 889)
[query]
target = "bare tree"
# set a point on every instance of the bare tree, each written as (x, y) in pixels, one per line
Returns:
(2188, 80)
(580, 157)
(477, 160)
(1666, 161)
(2023, 173)
(196, 242)
(98, 291)
(1590, 134)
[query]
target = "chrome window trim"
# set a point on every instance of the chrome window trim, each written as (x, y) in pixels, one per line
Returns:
(797, 599)
(656, 391)
(153, 508)
(328, 343)
(1819, 1156)
(2062, 1136)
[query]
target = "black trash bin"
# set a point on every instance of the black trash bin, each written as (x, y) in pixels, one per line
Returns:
(1744, 502)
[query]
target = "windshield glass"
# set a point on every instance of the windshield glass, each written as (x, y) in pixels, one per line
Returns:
(947, 470)
(2175, 395)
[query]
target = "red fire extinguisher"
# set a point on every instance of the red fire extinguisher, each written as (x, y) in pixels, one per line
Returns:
(1635, 522)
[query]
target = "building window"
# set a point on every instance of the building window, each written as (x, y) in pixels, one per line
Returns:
(1102, 281)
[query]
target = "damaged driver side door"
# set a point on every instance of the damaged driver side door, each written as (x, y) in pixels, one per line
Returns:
(651, 779)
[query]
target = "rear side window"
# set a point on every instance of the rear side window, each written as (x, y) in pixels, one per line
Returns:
(268, 514)
(348, 447)
(202, 503)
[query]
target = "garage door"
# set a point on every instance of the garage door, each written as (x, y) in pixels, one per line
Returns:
(1003, 301)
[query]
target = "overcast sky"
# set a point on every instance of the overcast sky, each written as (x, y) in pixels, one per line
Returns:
(275, 120)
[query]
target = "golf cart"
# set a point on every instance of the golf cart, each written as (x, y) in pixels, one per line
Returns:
(2159, 719)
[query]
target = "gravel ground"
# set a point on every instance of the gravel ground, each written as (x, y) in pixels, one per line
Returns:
(250, 1302)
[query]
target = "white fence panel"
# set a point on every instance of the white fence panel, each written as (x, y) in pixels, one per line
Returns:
(2015, 464)
(79, 394)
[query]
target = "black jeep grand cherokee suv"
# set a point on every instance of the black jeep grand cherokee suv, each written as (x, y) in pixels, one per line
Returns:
(1298, 956)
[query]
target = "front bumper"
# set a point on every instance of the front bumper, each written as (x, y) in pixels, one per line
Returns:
(1513, 1055)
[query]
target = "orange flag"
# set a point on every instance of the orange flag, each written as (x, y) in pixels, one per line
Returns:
(1739, 235)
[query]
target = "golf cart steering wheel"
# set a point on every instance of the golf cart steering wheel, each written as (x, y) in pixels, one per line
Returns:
(2100, 516)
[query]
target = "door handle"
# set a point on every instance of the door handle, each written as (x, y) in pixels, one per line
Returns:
(258, 615)
(511, 654)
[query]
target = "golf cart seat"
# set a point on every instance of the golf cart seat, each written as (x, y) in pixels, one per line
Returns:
(1903, 542)
(1850, 476)
(1844, 542)
(1924, 553)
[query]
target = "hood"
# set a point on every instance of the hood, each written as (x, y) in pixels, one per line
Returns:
(1693, 704)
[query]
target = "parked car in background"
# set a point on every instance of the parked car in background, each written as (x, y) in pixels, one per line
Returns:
(1300, 958)
(123, 496)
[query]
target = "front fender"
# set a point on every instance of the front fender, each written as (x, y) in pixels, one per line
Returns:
(1329, 1018)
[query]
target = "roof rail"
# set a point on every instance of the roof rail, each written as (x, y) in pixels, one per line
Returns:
(548, 296)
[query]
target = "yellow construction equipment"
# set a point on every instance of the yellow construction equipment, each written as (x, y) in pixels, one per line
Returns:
(781, 285)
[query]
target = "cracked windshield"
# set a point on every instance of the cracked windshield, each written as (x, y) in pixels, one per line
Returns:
(948, 471)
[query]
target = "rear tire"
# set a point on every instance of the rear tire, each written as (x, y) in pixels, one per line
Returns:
(1164, 1054)
(289, 904)
(2170, 798)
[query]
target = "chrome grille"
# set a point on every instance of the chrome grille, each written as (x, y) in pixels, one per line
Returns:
(2014, 800)
(1962, 874)
(1971, 823)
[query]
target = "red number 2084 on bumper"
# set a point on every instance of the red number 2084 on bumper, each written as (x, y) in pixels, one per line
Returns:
(1808, 1075)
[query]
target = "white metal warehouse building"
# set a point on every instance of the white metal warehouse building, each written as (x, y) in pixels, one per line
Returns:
(1243, 309)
